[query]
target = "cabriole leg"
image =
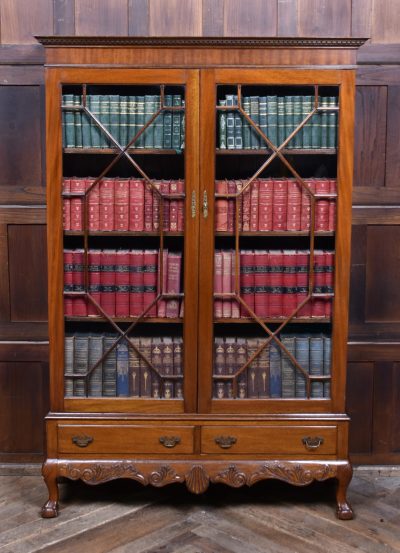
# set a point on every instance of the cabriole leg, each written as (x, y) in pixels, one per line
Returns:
(343, 509)
(49, 471)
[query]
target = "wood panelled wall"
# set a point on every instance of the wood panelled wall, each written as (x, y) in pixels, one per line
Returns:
(374, 352)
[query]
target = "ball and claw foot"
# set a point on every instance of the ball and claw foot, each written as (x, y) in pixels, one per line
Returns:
(50, 509)
(344, 511)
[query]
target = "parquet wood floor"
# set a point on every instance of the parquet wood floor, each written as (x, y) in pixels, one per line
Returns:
(122, 517)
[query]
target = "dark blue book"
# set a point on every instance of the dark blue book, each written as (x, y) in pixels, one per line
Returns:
(327, 364)
(122, 369)
(275, 371)
(303, 358)
(288, 368)
(316, 364)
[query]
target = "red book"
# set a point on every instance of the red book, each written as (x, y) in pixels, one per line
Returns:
(322, 186)
(173, 283)
(150, 263)
(294, 205)
(66, 188)
(221, 206)
(235, 303)
(122, 283)
(302, 282)
(93, 205)
(231, 219)
(218, 283)
(262, 280)
(148, 206)
(306, 205)
(156, 205)
(164, 187)
(246, 207)
(173, 207)
(226, 282)
(318, 304)
(332, 206)
(136, 205)
(279, 206)
(68, 281)
(79, 304)
(94, 257)
(276, 283)
(181, 205)
(107, 279)
(121, 204)
(162, 286)
(239, 200)
(247, 281)
(254, 200)
(329, 280)
(289, 296)
(265, 195)
(106, 209)
(136, 283)
(77, 203)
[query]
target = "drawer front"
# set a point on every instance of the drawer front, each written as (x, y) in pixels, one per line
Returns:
(124, 439)
(276, 440)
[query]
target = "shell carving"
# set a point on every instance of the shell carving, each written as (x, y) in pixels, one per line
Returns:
(197, 480)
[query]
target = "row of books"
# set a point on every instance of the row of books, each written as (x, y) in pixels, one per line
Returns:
(275, 205)
(123, 204)
(123, 282)
(273, 283)
(277, 117)
(123, 117)
(272, 374)
(156, 373)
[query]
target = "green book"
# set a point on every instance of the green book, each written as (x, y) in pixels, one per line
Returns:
(104, 119)
(183, 127)
(64, 138)
(176, 122)
(262, 110)
(158, 124)
(324, 122)
(272, 119)
(255, 115)
(167, 128)
(95, 132)
(230, 123)
(332, 122)
(316, 128)
(86, 132)
(246, 125)
(303, 358)
(307, 106)
(131, 128)
(222, 126)
(68, 100)
(316, 364)
(78, 122)
(114, 118)
(123, 120)
(297, 141)
(281, 119)
(289, 125)
(288, 368)
(238, 128)
(149, 110)
(139, 110)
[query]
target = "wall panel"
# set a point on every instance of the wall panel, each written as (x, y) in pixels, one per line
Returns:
(324, 18)
(175, 18)
(20, 21)
(101, 17)
(251, 18)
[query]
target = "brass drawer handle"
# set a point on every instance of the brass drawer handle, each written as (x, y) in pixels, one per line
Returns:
(312, 443)
(170, 441)
(82, 441)
(225, 442)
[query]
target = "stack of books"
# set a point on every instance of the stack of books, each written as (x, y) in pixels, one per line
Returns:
(123, 373)
(272, 374)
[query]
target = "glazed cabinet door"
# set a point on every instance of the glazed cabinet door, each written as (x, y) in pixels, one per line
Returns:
(122, 233)
(276, 169)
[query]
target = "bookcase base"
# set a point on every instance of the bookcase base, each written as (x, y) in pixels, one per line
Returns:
(197, 475)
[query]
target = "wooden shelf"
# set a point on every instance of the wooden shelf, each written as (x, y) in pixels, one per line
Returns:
(286, 151)
(313, 320)
(276, 233)
(121, 233)
(161, 320)
(136, 151)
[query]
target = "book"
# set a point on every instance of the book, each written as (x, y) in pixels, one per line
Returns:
(247, 281)
(78, 122)
(122, 283)
(81, 359)
(149, 110)
(167, 123)
(93, 204)
(136, 283)
(77, 205)
(289, 281)
(137, 206)
(150, 262)
(288, 367)
(316, 364)
(255, 141)
(107, 279)
(246, 128)
(121, 204)
(134, 370)
(94, 258)
(95, 381)
(114, 124)
(302, 354)
(218, 283)
(176, 122)
(276, 283)
(66, 189)
(79, 304)
(104, 117)
(69, 121)
(275, 371)
(230, 123)
(327, 365)
(262, 283)
(109, 366)
(68, 365)
(262, 113)
(107, 202)
(122, 362)
(68, 281)
(93, 101)
(145, 370)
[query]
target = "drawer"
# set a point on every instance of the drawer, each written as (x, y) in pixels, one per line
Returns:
(124, 439)
(276, 440)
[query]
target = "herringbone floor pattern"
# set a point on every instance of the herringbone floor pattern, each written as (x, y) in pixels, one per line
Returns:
(122, 517)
